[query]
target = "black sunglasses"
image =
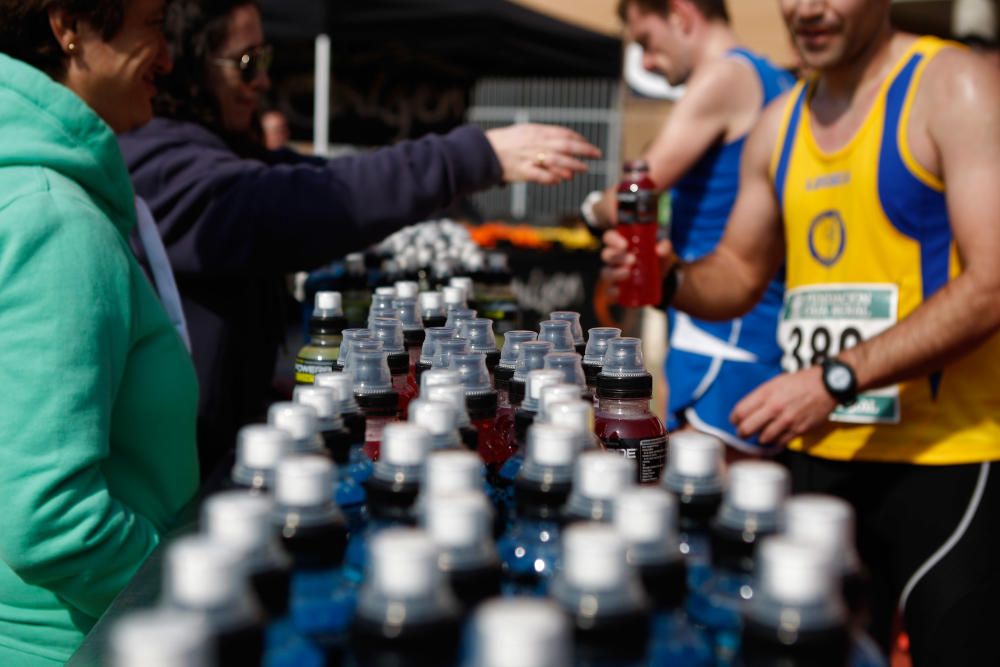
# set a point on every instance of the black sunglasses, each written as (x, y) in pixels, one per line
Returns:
(250, 64)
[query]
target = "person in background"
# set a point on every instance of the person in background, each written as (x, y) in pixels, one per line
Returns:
(696, 155)
(97, 420)
(874, 183)
(275, 128)
(236, 218)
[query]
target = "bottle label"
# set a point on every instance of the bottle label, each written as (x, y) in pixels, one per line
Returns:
(307, 370)
(649, 454)
(637, 207)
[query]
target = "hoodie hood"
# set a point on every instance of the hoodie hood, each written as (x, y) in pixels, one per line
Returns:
(45, 124)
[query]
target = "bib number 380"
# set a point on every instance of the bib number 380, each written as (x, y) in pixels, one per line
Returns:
(811, 348)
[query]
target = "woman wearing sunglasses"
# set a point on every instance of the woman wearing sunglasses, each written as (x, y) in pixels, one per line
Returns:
(236, 218)
(97, 392)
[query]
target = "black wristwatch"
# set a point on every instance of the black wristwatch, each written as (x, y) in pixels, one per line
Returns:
(840, 381)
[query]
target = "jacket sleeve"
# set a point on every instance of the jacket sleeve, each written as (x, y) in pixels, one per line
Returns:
(220, 214)
(65, 304)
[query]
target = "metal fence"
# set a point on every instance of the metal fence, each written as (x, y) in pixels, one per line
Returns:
(588, 106)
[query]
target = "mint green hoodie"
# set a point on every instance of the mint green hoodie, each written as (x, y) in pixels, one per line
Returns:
(97, 393)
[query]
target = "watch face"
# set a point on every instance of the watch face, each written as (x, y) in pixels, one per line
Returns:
(838, 378)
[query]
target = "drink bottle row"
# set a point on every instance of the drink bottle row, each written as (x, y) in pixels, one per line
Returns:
(430, 500)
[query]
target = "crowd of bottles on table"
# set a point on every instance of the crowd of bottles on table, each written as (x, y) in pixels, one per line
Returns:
(433, 500)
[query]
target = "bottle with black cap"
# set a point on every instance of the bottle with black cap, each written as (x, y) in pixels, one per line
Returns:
(349, 338)
(454, 395)
(752, 509)
(530, 550)
(301, 422)
(504, 372)
(374, 393)
(259, 447)
(597, 347)
(535, 383)
(530, 357)
(575, 329)
(355, 470)
(601, 594)
(336, 438)
(624, 422)
(496, 438)
(408, 313)
(390, 332)
(646, 517)
(598, 478)
(325, 327)
(432, 310)
(568, 363)
(433, 335)
(479, 333)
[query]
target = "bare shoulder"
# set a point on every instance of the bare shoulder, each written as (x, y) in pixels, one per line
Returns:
(725, 84)
(958, 81)
(763, 138)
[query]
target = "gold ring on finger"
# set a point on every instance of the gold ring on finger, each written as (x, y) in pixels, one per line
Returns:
(540, 160)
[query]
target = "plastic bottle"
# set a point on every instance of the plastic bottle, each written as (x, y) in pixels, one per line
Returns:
(406, 289)
(466, 283)
(795, 616)
(432, 309)
(521, 632)
(408, 314)
(577, 415)
(445, 349)
(597, 347)
(381, 306)
(637, 222)
(300, 421)
(336, 437)
(694, 474)
(496, 437)
(751, 510)
(568, 363)
(454, 394)
(603, 598)
(646, 517)
(530, 357)
(434, 335)
(559, 333)
(557, 393)
(454, 297)
(397, 477)
(407, 615)
(439, 418)
(524, 416)
(576, 330)
(479, 333)
(624, 422)
(259, 447)
(325, 327)
(447, 472)
(160, 638)
(355, 470)
(598, 478)
(349, 337)
(531, 550)
(390, 332)
(375, 395)
(438, 376)
(208, 579)
(504, 372)
(461, 525)
(456, 316)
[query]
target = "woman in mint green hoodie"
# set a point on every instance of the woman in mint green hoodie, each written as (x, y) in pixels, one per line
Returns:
(97, 393)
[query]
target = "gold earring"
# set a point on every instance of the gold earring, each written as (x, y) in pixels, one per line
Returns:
(71, 47)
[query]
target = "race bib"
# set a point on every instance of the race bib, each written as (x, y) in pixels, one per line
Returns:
(820, 321)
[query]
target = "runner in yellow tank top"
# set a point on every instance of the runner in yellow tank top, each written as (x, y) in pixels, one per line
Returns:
(878, 182)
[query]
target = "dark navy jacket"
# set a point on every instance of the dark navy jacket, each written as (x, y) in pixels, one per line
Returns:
(233, 227)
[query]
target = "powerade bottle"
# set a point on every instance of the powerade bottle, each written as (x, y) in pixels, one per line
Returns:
(457, 316)
(530, 357)
(314, 532)
(520, 632)
(356, 296)
(454, 394)
(536, 382)
(350, 336)
(479, 333)
(559, 393)
(598, 478)
(160, 638)
(390, 332)
(406, 289)
(407, 615)
(336, 438)
(531, 550)
(448, 472)
(637, 222)
(354, 470)
(751, 510)
(597, 347)
(408, 314)
(440, 420)
(445, 349)
(434, 335)
(258, 449)
(504, 372)
(454, 297)
(325, 328)
(559, 333)
(568, 363)
(208, 579)
(575, 329)
(461, 525)
(374, 393)
(646, 517)
(300, 422)
(624, 423)
(496, 438)
(603, 598)
(466, 283)
(432, 310)
(695, 476)
(382, 305)
(795, 617)
(436, 377)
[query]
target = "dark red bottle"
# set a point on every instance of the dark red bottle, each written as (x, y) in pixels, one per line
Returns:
(623, 421)
(637, 222)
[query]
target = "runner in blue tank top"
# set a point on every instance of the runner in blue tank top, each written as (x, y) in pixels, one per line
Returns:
(710, 365)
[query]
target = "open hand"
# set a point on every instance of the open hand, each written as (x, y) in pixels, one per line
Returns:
(545, 154)
(784, 408)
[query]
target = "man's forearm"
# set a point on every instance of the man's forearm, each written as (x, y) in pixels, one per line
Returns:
(952, 323)
(717, 287)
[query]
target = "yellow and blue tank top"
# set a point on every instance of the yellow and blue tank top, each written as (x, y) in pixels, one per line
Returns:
(712, 365)
(868, 240)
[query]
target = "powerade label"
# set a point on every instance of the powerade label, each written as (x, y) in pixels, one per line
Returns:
(307, 370)
(649, 454)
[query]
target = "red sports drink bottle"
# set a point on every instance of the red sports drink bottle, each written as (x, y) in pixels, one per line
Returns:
(637, 222)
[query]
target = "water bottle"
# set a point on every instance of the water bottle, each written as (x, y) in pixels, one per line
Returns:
(598, 478)
(301, 422)
(160, 638)
(520, 632)
(258, 449)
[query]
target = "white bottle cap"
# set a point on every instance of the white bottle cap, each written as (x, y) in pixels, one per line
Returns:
(299, 420)
(795, 572)
(522, 632)
(404, 563)
(437, 417)
(576, 414)
(405, 444)
(260, 446)
(407, 289)
(552, 445)
(538, 380)
(239, 519)
(826, 521)
(305, 481)
(431, 301)
(555, 393)
(757, 486)
(458, 520)
(453, 394)
(453, 295)
(602, 475)
(450, 471)
(465, 283)
(160, 637)
(693, 454)
(322, 399)
(436, 377)
(646, 515)
(203, 573)
(328, 301)
(388, 291)
(594, 557)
